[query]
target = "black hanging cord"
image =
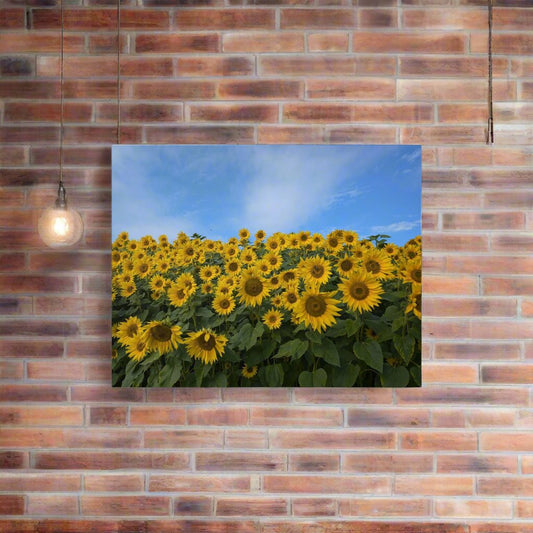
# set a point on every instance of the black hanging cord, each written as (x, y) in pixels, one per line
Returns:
(490, 125)
(61, 191)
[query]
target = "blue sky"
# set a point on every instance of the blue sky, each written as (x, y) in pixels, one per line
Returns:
(215, 190)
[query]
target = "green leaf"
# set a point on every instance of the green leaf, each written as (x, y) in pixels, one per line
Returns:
(353, 326)
(274, 375)
(305, 379)
(319, 377)
(314, 336)
(294, 349)
(417, 374)
(221, 380)
(170, 373)
(327, 351)
(398, 323)
(204, 312)
(405, 346)
(255, 334)
(369, 352)
(345, 376)
(395, 376)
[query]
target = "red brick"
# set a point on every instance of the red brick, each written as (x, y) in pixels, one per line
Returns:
(361, 89)
(108, 416)
(187, 438)
(199, 134)
(97, 393)
(507, 374)
(11, 504)
(125, 505)
(42, 42)
(346, 439)
(233, 113)
(194, 395)
(13, 18)
(12, 155)
(231, 461)
(114, 482)
(505, 486)
(328, 42)
(41, 482)
(377, 18)
(38, 416)
(245, 438)
(314, 506)
(326, 484)
(259, 42)
(384, 507)
(317, 18)
(527, 464)
(10, 460)
(363, 526)
(55, 370)
(30, 348)
(132, 113)
(446, 373)
(490, 417)
(97, 460)
(475, 464)
(196, 483)
(487, 220)
(173, 43)
(506, 441)
(509, 200)
(314, 462)
(474, 508)
(455, 307)
(307, 66)
(11, 370)
(524, 509)
(266, 89)
(153, 416)
(521, 243)
(282, 416)
(224, 19)
(251, 507)
(431, 18)
(344, 396)
(15, 306)
(504, 43)
(31, 393)
(365, 417)
(495, 264)
(434, 284)
(446, 242)
(477, 351)
(453, 66)
(362, 134)
(290, 134)
(463, 395)
(221, 416)
(215, 66)
(440, 485)
(193, 505)
(376, 42)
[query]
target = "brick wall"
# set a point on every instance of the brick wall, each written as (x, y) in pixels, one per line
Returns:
(453, 456)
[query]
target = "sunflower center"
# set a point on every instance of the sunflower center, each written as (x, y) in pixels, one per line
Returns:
(180, 293)
(189, 251)
(207, 341)
(116, 256)
(132, 330)
(233, 267)
(140, 346)
(253, 287)
(159, 283)
(292, 298)
(417, 275)
(418, 302)
(359, 290)
(315, 306)
(143, 267)
(161, 333)
(373, 266)
(411, 254)
(346, 265)
(317, 271)
(272, 319)
(224, 304)
(288, 276)
(333, 242)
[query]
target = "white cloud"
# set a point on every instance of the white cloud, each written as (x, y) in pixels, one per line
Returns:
(395, 227)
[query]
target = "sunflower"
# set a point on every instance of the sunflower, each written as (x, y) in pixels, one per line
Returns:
(315, 270)
(178, 294)
(116, 256)
(371, 334)
(358, 251)
(378, 263)
(161, 336)
(361, 291)
(290, 297)
(127, 289)
(248, 256)
(294, 242)
(412, 273)
(350, 237)
(390, 249)
(273, 243)
(146, 241)
(415, 303)
(346, 265)
(162, 265)
(272, 319)
(277, 301)
(263, 266)
(158, 293)
(260, 236)
(123, 236)
(273, 259)
(208, 288)
(132, 246)
(333, 242)
(157, 282)
(304, 237)
(127, 329)
(253, 288)
(317, 241)
(207, 273)
(316, 309)
(210, 246)
(231, 251)
(274, 282)
(248, 372)
(187, 281)
(142, 268)
(205, 345)
(288, 277)
(187, 253)
(244, 234)
(136, 348)
(233, 267)
(125, 277)
(182, 238)
(223, 304)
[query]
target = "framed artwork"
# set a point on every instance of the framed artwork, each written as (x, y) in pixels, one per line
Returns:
(266, 266)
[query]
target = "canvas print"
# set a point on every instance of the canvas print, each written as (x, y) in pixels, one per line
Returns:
(266, 266)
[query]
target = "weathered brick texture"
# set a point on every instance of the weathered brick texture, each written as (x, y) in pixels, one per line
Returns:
(455, 456)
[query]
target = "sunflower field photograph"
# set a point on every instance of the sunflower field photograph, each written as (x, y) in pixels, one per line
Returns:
(266, 266)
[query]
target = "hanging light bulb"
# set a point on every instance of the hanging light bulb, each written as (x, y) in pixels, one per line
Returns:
(60, 225)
